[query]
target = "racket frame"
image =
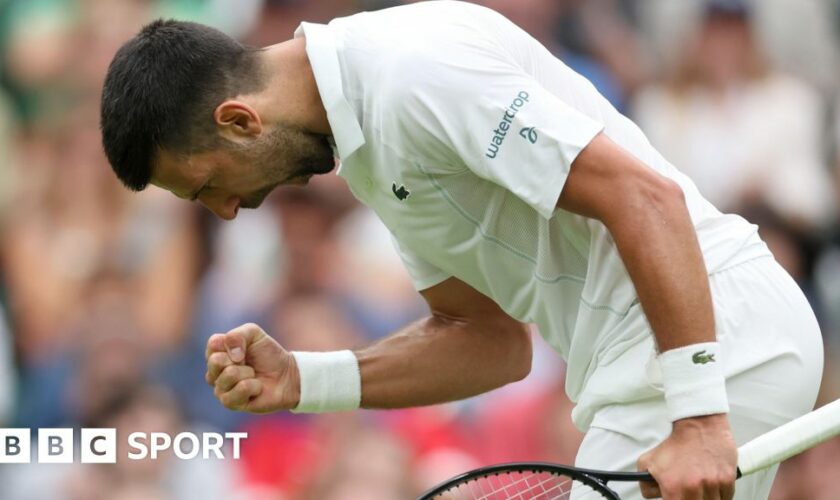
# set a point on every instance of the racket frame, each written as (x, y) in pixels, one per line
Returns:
(768, 449)
(596, 479)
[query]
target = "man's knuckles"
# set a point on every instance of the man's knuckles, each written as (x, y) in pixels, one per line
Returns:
(238, 397)
(243, 333)
(650, 490)
(218, 361)
(233, 398)
(251, 328)
(215, 343)
(690, 485)
(233, 374)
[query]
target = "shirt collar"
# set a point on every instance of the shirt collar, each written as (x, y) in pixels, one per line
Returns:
(323, 57)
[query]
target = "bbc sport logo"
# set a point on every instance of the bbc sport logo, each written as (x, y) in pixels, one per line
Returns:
(99, 446)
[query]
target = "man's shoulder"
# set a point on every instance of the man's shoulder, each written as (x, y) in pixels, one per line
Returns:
(417, 39)
(426, 15)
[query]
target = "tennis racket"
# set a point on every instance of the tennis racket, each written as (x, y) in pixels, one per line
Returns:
(544, 481)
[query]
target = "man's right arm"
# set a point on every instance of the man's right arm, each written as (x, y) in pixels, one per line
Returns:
(467, 346)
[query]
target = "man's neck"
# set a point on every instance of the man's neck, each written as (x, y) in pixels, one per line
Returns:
(291, 96)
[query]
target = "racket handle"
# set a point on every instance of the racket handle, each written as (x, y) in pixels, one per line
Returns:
(790, 439)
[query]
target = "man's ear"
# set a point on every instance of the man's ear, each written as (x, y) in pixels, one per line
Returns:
(237, 120)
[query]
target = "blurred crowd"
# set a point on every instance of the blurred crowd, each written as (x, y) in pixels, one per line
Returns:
(107, 297)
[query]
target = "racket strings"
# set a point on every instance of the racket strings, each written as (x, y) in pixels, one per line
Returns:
(521, 486)
(531, 489)
(581, 492)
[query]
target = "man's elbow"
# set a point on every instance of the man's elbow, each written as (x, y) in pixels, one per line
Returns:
(650, 198)
(666, 194)
(520, 353)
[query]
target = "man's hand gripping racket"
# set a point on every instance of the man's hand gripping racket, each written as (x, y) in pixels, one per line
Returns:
(549, 481)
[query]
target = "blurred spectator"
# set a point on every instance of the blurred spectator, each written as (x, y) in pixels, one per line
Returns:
(8, 373)
(135, 408)
(7, 173)
(154, 409)
(797, 36)
(237, 18)
(39, 51)
(71, 220)
(247, 260)
(593, 37)
(106, 358)
(537, 427)
(307, 219)
(369, 464)
(792, 246)
(279, 18)
(739, 129)
(283, 454)
(374, 288)
(442, 441)
(826, 273)
(313, 322)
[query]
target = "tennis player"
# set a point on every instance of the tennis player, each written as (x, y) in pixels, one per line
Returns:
(515, 194)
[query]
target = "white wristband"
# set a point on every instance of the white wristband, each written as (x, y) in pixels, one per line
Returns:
(329, 381)
(693, 380)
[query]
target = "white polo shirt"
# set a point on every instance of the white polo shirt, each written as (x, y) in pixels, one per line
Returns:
(459, 129)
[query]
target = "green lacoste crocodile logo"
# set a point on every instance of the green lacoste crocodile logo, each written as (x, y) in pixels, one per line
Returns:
(401, 193)
(701, 358)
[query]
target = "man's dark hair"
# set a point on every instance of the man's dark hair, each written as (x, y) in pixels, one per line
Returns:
(161, 90)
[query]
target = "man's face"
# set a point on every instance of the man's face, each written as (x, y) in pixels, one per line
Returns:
(241, 175)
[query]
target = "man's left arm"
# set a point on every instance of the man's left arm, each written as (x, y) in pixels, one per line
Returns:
(517, 134)
(646, 214)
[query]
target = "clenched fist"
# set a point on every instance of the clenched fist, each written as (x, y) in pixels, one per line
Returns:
(249, 371)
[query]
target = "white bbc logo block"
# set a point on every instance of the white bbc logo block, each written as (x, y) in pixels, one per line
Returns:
(55, 446)
(15, 446)
(99, 446)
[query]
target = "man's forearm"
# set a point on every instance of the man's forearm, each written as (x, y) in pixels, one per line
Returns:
(646, 214)
(659, 247)
(440, 359)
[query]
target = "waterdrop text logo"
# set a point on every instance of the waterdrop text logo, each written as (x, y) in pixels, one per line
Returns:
(506, 122)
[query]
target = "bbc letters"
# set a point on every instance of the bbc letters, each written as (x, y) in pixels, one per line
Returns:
(58, 446)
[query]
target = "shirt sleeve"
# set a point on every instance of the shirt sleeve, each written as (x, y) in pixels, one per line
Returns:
(490, 116)
(423, 274)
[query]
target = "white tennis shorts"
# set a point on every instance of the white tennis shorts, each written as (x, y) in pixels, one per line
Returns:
(772, 352)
